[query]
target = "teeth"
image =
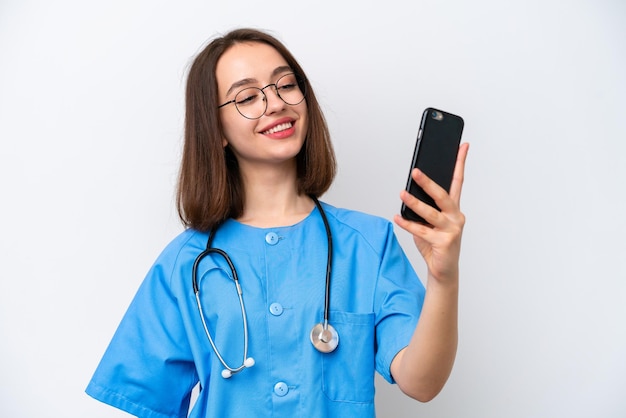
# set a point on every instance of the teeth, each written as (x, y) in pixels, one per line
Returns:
(278, 128)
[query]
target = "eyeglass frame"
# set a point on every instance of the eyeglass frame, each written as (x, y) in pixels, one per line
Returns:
(301, 81)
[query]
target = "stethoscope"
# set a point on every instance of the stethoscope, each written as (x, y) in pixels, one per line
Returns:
(323, 336)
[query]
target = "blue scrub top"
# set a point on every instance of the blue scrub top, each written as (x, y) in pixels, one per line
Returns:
(160, 350)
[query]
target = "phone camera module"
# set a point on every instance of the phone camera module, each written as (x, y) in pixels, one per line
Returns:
(436, 115)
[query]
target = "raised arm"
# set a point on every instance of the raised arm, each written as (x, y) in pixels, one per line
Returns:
(422, 368)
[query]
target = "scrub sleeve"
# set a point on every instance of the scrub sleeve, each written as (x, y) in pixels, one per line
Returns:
(160, 351)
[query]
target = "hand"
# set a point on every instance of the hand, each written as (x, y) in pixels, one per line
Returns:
(440, 242)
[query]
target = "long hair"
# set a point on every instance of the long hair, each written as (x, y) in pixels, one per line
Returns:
(210, 188)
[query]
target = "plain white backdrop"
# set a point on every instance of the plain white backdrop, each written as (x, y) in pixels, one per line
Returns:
(91, 115)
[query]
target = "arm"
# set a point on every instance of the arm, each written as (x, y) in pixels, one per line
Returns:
(422, 368)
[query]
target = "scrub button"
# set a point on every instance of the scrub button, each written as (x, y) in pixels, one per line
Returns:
(271, 238)
(281, 389)
(276, 309)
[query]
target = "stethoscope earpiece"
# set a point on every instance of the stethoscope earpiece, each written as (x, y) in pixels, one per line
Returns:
(247, 363)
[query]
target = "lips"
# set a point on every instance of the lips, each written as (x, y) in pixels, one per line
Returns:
(278, 128)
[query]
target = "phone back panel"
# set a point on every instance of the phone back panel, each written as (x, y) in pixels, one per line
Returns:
(435, 154)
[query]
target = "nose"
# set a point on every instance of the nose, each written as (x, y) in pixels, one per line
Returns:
(274, 102)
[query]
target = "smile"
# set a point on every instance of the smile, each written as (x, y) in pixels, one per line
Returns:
(278, 128)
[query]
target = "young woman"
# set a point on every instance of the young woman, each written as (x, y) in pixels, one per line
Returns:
(274, 303)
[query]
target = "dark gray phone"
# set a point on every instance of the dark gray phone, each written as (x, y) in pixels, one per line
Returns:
(436, 149)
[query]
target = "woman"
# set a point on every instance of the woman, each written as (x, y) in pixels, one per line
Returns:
(237, 319)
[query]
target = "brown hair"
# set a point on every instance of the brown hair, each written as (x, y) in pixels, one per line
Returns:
(209, 184)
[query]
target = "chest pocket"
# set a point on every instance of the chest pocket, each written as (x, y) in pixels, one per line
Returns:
(348, 372)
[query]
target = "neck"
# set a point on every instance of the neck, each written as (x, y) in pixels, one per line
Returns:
(272, 198)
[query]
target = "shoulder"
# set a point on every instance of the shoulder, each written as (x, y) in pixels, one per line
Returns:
(188, 243)
(374, 229)
(355, 218)
(176, 259)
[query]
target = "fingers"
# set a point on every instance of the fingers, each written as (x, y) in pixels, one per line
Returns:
(438, 193)
(421, 208)
(448, 203)
(414, 228)
(459, 174)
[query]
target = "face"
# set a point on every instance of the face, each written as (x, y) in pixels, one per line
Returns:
(278, 135)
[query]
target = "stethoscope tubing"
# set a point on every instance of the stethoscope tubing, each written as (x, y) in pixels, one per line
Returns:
(329, 263)
(196, 290)
(323, 336)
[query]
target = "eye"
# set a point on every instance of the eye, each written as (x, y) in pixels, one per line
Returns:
(287, 82)
(287, 86)
(247, 96)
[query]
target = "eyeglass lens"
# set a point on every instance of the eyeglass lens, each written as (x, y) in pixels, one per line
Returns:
(251, 102)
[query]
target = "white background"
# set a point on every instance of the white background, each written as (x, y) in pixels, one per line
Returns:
(91, 114)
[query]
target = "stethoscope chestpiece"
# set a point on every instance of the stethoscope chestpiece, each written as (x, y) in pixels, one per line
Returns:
(324, 338)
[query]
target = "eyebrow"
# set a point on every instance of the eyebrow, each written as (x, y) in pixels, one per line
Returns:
(246, 81)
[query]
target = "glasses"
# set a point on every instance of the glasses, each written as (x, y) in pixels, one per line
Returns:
(251, 102)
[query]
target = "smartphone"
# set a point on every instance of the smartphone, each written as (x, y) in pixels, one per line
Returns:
(436, 149)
